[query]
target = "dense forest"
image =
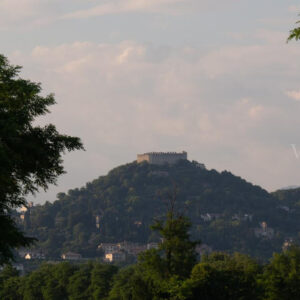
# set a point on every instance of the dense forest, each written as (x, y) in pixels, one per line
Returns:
(172, 271)
(227, 212)
(219, 277)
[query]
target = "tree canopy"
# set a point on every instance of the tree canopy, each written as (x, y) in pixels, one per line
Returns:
(30, 155)
(294, 33)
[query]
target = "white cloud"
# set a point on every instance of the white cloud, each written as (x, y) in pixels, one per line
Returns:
(256, 111)
(294, 9)
(153, 6)
(125, 6)
(18, 13)
(28, 14)
(295, 95)
(31, 13)
(131, 97)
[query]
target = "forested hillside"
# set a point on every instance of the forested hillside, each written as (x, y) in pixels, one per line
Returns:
(226, 211)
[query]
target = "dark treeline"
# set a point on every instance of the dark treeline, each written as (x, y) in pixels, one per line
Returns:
(217, 276)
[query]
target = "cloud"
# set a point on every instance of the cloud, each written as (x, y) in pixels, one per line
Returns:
(143, 6)
(295, 95)
(26, 14)
(226, 107)
(30, 13)
(17, 13)
(256, 111)
(294, 9)
(126, 6)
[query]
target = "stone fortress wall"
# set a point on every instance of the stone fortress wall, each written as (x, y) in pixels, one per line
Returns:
(160, 158)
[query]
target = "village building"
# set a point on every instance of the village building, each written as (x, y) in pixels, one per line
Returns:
(34, 254)
(117, 256)
(209, 217)
(71, 256)
(136, 250)
(132, 249)
(152, 246)
(264, 231)
(97, 219)
(109, 247)
(287, 244)
(242, 217)
(138, 223)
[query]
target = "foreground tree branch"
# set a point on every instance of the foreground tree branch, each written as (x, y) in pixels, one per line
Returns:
(30, 155)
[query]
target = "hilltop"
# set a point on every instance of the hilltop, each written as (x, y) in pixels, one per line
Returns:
(227, 212)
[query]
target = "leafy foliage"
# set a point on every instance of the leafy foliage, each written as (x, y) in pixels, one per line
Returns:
(61, 281)
(30, 155)
(218, 276)
(130, 197)
(294, 33)
(282, 276)
(179, 255)
(221, 276)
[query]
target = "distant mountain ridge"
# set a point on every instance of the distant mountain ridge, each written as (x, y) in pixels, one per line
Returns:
(291, 187)
(226, 211)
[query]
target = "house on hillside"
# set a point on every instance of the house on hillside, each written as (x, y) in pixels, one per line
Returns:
(97, 219)
(209, 217)
(71, 256)
(138, 223)
(243, 217)
(34, 254)
(132, 248)
(264, 231)
(117, 256)
(152, 246)
(109, 247)
(287, 244)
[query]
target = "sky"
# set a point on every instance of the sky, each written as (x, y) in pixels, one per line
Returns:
(215, 78)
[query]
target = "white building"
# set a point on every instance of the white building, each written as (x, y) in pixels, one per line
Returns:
(152, 246)
(71, 256)
(264, 231)
(109, 247)
(117, 256)
(34, 255)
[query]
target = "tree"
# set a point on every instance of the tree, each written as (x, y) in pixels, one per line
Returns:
(294, 33)
(10, 284)
(79, 282)
(101, 280)
(223, 276)
(282, 276)
(178, 250)
(30, 155)
(160, 272)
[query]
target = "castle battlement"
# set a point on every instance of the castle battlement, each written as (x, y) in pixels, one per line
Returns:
(160, 158)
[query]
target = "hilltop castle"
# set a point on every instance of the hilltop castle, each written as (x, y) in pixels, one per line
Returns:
(160, 158)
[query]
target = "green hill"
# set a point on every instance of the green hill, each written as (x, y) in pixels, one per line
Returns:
(224, 210)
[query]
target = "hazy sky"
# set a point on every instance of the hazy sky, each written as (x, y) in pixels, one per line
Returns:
(213, 77)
